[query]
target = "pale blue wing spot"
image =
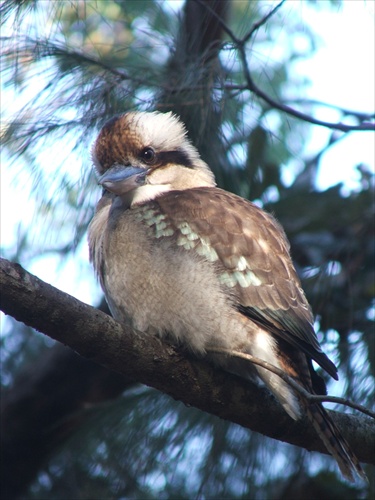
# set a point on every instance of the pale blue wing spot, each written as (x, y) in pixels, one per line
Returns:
(182, 241)
(161, 225)
(251, 279)
(185, 228)
(187, 231)
(241, 279)
(163, 231)
(158, 218)
(228, 280)
(207, 251)
(192, 236)
(242, 264)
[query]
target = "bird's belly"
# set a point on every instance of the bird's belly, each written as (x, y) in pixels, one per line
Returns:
(162, 289)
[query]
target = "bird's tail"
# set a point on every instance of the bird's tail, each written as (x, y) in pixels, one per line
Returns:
(335, 443)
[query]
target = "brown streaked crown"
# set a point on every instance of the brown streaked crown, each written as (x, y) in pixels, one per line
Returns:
(114, 143)
(124, 139)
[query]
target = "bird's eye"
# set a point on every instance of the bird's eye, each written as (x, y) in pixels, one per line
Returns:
(148, 155)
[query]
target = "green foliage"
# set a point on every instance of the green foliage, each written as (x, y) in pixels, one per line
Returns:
(144, 445)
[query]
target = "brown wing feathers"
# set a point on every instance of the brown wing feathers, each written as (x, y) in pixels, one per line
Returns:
(238, 230)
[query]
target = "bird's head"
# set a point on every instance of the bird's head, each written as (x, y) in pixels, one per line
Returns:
(141, 155)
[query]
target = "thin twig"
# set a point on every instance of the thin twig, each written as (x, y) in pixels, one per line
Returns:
(360, 115)
(240, 44)
(347, 112)
(260, 23)
(291, 111)
(312, 398)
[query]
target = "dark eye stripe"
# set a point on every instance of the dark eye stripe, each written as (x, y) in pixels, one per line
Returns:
(178, 156)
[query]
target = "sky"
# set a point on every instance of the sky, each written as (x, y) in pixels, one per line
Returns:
(341, 72)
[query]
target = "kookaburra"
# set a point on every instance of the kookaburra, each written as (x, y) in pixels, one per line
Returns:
(177, 256)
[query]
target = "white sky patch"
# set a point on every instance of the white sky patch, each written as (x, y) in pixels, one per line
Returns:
(343, 74)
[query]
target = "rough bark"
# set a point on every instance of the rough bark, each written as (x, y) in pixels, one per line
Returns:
(96, 336)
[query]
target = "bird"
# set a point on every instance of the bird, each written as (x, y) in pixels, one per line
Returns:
(181, 259)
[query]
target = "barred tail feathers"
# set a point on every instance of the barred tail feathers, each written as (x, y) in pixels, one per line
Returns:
(333, 440)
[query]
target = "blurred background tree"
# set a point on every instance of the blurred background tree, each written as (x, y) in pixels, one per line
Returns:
(71, 429)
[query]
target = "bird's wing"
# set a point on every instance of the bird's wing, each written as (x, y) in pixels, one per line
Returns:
(251, 253)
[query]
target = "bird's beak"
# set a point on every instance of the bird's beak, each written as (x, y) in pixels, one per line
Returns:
(121, 179)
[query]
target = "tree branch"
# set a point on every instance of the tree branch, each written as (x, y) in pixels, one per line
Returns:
(360, 115)
(291, 111)
(98, 337)
(240, 45)
(262, 21)
(312, 398)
